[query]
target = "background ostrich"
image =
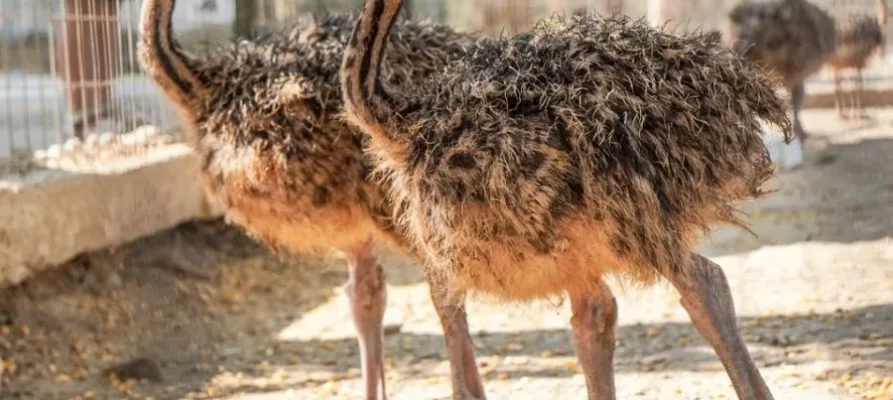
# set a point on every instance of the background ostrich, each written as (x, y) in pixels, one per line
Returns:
(538, 164)
(858, 37)
(264, 118)
(793, 38)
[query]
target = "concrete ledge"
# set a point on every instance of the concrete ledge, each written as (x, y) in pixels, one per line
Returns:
(48, 216)
(870, 98)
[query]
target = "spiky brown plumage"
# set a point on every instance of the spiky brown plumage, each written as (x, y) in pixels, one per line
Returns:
(539, 163)
(265, 116)
(792, 38)
(858, 38)
(543, 161)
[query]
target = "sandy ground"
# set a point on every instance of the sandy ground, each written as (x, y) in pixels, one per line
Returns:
(221, 318)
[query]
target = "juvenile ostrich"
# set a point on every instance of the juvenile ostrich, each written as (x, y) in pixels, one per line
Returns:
(794, 38)
(265, 118)
(858, 38)
(540, 163)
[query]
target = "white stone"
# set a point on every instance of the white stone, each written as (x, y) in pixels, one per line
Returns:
(106, 139)
(91, 142)
(72, 144)
(54, 151)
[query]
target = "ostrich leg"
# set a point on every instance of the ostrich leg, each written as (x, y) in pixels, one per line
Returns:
(593, 321)
(707, 298)
(798, 93)
(460, 349)
(838, 95)
(860, 92)
(366, 290)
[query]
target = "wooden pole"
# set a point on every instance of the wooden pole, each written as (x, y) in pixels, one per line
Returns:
(85, 55)
(246, 14)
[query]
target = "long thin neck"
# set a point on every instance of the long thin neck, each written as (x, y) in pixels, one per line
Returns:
(882, 12)
(161, 57)
(361, 84)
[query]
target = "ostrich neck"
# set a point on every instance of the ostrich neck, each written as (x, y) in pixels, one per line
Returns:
(161, 56)
(366, 51)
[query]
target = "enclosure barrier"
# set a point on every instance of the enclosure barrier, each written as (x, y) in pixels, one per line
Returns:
(90, 153)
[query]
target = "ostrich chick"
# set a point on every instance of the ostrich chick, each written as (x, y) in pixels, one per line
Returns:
(539, 164)
(264, 117)
(858, 38)
(794, 38)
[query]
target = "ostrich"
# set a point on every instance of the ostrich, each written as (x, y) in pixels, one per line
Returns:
(264, 118)
(794, 38)
(538, 164)
(858, 37)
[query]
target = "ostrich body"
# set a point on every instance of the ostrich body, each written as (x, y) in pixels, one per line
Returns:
(540, 163)
(793, 38)
(858, 38)
(264, 116)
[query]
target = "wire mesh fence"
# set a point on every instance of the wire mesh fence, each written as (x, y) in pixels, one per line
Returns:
(68, 68)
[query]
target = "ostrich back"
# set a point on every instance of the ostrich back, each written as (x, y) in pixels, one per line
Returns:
(794, 38)
(586, 141)
(858, 37)
(275, 151)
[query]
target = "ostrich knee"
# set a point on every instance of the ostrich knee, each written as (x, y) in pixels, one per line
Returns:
(594, 322)
(366, 291)
(708, 299)
(466, 379)
(860, 92)
(798, 94)
(838, 94)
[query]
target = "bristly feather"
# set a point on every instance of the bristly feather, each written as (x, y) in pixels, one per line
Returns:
(274, 149)
(793, 38)
(609, 124)
(858, 38)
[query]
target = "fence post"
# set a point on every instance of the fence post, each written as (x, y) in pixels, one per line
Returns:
(85, 57)
(687, 15)
(246, 14)
(611, 7)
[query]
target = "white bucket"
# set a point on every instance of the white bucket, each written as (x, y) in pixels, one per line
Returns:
(786, 156)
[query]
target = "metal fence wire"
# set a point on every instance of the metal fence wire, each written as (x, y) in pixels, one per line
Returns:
(68, 68)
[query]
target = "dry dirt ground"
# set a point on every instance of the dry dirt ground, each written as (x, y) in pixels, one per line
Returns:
(220, 318)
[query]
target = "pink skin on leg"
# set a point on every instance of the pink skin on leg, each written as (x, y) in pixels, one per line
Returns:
(860, 92)
(838, 95)
(594, 322)
(708, 299)
(464, 373)
(366, 290)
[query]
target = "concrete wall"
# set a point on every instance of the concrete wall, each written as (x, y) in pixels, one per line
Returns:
(49, 216)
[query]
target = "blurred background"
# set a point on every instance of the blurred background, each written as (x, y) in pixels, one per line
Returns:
(69, 67)
(112, 260)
